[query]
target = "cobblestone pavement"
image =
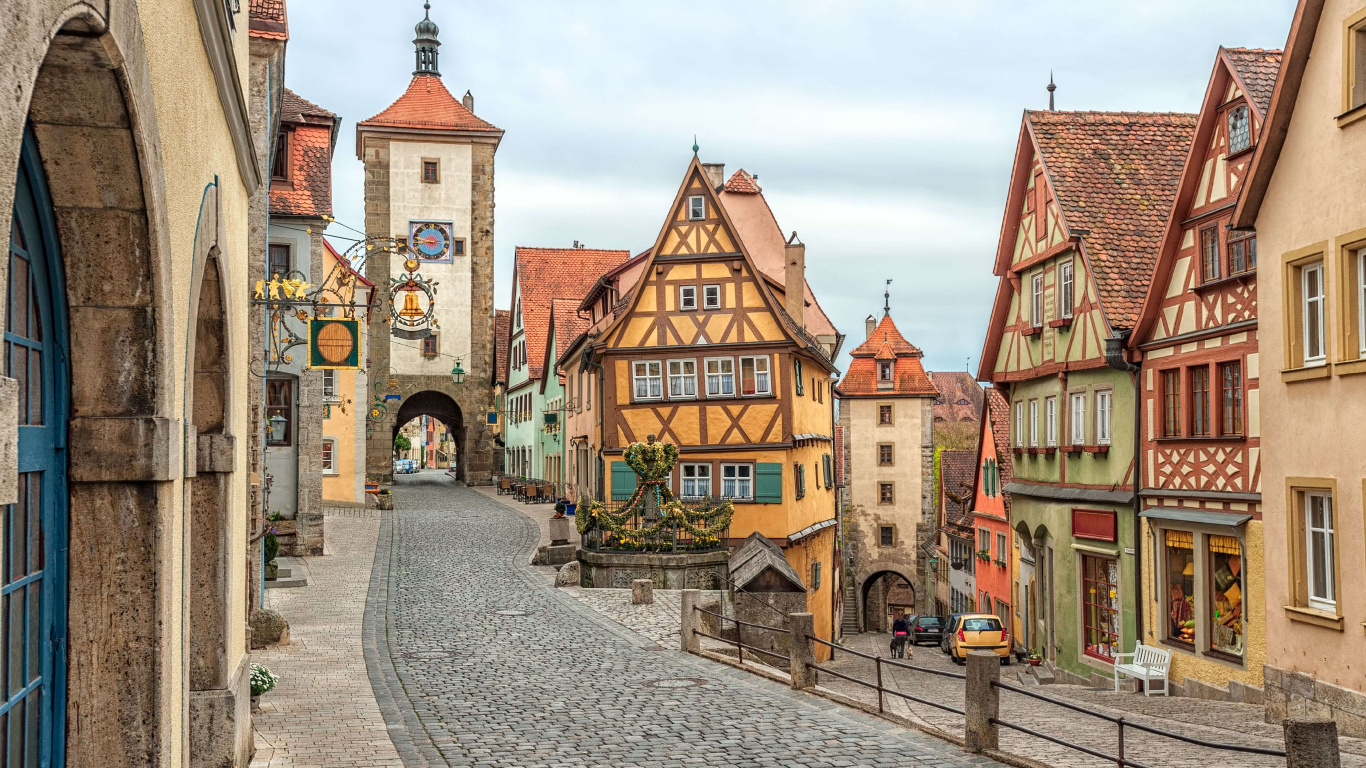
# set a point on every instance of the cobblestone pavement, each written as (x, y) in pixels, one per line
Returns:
(1214, 721)
(323, 713)
(478, 661)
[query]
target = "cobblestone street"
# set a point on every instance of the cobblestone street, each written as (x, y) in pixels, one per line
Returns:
(481, 662)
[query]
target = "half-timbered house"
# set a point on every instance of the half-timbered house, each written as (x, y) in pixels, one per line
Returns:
(1197, 338)
(990, 510)
(1087, 203)
(705, 349)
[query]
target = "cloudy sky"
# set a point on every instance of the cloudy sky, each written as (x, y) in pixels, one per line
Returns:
(881, 131)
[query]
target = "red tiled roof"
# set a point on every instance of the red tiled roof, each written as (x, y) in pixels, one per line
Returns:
(998, 411)
(296, 109)
(742, 183)
(567, 324)
(1115, 175)
(1257, 68)
(960, 396)
(308, 192)
(266, 18)
(887, 343)
(502, 326)
(544, 274)
(428, 105)
(957, 472)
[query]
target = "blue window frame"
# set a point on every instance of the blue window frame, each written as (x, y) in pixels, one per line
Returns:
(33, 531)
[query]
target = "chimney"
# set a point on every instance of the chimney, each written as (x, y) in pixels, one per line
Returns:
(468, 101)
(869, 325)
(794, 279)
(716, 174)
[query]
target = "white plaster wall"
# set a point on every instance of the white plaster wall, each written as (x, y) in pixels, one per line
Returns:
(906, 434)
(450, 200)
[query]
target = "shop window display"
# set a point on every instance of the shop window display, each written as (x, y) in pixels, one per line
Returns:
(1100, 590)
(1226, 595)
(1180, 587)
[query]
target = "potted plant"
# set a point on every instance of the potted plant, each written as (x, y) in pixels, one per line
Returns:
(983, 554)
(271, 543)
(1034, 659)
(385, 498)
(262, 680)
(559, 509)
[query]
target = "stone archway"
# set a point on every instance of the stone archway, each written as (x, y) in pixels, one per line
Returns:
(444, 409)
(879, 582)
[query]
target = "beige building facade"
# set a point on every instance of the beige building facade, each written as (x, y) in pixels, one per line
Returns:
(127, 216)
(887, 406)
(1306, 197)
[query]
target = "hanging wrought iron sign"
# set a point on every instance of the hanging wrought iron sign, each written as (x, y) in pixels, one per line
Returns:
(333, 343)
(416, 318)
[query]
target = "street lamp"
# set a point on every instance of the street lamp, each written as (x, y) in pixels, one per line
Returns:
(458, 373)
(277, 428)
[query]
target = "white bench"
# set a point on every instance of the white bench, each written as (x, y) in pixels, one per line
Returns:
(1147, 664)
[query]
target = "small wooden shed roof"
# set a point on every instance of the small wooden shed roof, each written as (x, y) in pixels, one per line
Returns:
(759, 562)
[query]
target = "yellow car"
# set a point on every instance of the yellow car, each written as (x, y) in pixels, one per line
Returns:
(978, 632)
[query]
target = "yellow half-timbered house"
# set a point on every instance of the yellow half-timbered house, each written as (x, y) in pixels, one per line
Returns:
(706, 350)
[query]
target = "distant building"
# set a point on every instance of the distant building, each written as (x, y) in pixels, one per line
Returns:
(994, 576)
(960, 397)
(956, 591)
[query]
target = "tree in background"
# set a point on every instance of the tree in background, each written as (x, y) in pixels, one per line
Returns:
(402, 443)
(956, 435)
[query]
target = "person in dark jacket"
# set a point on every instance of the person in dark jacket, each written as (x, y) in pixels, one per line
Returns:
(901, 631)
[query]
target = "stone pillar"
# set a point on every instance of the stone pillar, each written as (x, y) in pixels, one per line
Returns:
(1311, 744)
(691, 621)
(642, 592)
(981, 701)
(799, 650)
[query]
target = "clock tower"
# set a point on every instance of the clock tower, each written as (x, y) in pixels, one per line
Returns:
(429, 181)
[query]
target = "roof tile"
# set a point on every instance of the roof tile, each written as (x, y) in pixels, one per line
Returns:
(545, 274)
(1115, 175)
(1258, 68)
(957, 472)
(742, 183)
(960, 396)
(998, 410)
(428, 105)
(267, 19)
(886, 343)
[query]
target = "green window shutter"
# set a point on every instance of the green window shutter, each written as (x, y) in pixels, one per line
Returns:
(828, 467)
(768, 483)
(623, 481)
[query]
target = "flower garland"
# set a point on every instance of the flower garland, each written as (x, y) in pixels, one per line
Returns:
(653, 462)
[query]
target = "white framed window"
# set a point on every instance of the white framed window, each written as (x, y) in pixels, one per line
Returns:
(711, 297)
(884, 370)
(1036, 302)
(720, 376)
(329, 455)
(1311, 314)
(1318, 542)
(1033, 423)
(754, 378)
(1104, 407)
(1019, 423)
(1361, 301)
(697, 208)
(682, 379)
(737, 481)
(687, 297)
(329, 383)
(649, 379)
(1077, 418)
(1050, 421)
(1065, 290)
(694, 481)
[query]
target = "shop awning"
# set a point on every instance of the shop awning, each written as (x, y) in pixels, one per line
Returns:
(1229, 519)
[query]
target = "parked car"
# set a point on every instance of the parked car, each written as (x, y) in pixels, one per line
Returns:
(950, 626)
(405, 466)
(926, 629)
(979, 632)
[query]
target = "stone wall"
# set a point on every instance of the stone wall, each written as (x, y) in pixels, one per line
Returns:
(616, 570)
(1298, 694)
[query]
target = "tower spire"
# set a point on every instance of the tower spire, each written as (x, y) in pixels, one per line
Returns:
(887, 298)
(1051, 89)
(426, 44)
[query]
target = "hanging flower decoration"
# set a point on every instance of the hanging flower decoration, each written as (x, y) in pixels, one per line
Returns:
(653, 463)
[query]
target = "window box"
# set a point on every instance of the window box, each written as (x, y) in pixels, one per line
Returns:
(983, 555)
(1240, 277)
(1098, 449)
(1036, 330)
(1062, 322)
(1049, 451)
(1074, 448)
(1018, 451)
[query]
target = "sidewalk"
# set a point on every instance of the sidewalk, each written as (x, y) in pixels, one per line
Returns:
(323, 714)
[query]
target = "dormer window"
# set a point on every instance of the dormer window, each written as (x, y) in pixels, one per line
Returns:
(697, 208)
(884, 371)
(279, 168)
(1239, 129)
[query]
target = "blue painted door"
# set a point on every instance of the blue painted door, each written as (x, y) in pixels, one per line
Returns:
(33, 541)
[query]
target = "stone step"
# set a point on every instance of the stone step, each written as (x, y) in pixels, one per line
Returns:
(1027, 680)
(1043, 675)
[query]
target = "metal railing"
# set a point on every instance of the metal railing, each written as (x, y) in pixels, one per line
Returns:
(1118, 759)
(639, 538)
(739, 641)
(878, 661)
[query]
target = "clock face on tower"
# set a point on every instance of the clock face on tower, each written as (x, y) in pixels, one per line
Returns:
(431, 240)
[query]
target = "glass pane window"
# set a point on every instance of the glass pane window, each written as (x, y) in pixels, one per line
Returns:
(887, 536)
(1318, 527)
(649, 381)
(720, 376)
(1104, 406)
(687, 297)
(1019, 424)
(1226, 595)
(754, 378)
(1231, 398)
(1199, 378)
(1311, 314)
(696, 481)
(1209, 253)
(884, 414)
(1033, 423)
(711, 297)
(1050, 420)
(884, 455)
(737, 481)
(329, 383)
(280, 411)
(1101, 606)
(329, 455)
(280, 262)
(1180, 568)
(1001, 547)
(697, 207)
(1239, 129)
(1065, 289)
(1036, 303)
(885, 494)
(1361, 301)
(683, 378)
(1242, 255)
(1077, 418)
(1171, 403)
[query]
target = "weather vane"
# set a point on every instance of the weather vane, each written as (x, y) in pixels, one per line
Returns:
(887, 299)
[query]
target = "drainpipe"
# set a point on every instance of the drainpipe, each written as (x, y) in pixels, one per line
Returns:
(1115, 358)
